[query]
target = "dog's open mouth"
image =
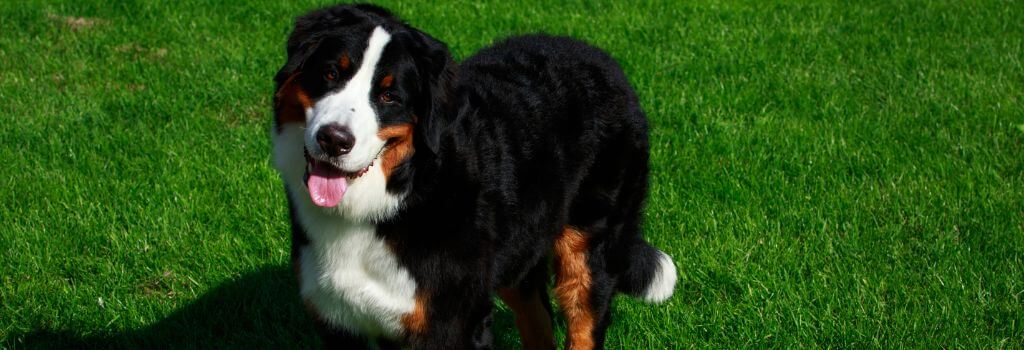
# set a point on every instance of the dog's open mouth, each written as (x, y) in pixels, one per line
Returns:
(327, 183)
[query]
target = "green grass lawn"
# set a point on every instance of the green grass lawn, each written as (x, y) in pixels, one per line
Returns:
(825, 174)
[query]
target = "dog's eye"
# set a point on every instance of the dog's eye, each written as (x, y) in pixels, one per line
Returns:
(388, 98)
(330, 75)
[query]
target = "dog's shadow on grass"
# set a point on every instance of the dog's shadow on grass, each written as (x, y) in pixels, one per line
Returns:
(260, 310)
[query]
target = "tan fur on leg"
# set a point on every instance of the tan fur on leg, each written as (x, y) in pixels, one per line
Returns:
(572, 287)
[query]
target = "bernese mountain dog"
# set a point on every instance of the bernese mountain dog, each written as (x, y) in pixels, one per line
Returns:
(419, 188)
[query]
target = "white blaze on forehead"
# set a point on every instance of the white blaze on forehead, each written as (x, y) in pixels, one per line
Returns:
(351, 107)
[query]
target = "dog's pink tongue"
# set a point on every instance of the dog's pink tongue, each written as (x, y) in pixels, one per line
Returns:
(326, 185)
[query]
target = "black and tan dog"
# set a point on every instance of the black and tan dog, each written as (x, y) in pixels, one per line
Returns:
(420, 187)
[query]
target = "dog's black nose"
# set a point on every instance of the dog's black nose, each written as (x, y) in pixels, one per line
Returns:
(335, 139)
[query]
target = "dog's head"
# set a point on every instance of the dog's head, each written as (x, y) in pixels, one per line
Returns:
(357, 87)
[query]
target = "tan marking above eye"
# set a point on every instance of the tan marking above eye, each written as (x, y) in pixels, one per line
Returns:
(344, 62)
(387, 81)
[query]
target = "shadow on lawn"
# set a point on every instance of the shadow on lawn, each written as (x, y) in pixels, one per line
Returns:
(259, 310)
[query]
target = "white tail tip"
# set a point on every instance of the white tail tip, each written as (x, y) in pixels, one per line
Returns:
(663, 282)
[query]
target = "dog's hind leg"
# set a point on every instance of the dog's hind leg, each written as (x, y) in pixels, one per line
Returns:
(603, 250)
(583, 290)
(531, 306)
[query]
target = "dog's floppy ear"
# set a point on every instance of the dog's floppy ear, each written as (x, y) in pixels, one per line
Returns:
(302, 42)
(437, 71)
(288, 96)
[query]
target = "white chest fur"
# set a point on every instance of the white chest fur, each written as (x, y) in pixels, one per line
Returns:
(347, 272)
(353, 279)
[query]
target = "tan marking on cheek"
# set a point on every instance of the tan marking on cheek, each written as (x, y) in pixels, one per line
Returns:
(387, 81)
(290, 103)
(399, 147)
(572, 287)
(415, 322)
(532, 319)
(344, 62)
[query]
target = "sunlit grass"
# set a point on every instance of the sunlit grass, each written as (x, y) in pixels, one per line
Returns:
(825, 174)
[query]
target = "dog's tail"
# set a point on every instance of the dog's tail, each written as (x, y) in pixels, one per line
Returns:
(651, 275)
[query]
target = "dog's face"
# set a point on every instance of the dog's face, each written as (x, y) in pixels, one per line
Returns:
(356, 84)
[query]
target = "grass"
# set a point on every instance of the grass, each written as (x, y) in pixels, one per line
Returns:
(825, 174)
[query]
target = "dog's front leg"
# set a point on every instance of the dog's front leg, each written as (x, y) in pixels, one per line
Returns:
(454, 319)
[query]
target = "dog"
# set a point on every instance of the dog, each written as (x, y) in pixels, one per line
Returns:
(419, 188)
